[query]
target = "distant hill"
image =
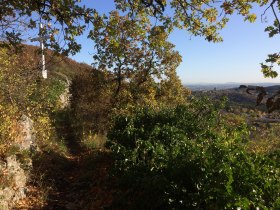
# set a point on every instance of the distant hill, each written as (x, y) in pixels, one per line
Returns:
(212, 86)
(238, 96)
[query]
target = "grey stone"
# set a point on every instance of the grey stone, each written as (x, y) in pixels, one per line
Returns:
(27, 136)
(12, 194)
(16, 172)
(6, 198)
(64, 98)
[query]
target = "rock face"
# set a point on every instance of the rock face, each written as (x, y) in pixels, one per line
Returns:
(27, 137)
(18, 178)
(11, 171)
(64, 98)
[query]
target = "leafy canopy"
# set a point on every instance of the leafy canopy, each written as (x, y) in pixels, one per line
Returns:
(132, 49)
(268, 68)
(200, 18)
(203, 18)
(68, 19)
(63, 19)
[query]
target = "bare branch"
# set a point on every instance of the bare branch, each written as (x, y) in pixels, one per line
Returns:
(275, 15)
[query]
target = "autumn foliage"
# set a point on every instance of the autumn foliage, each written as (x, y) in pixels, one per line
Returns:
(272, 100)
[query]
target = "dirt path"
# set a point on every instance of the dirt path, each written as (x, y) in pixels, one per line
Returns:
(83, 184)
(83, 176)
(76, 181)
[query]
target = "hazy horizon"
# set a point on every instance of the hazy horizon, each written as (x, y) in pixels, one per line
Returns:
(229, 83)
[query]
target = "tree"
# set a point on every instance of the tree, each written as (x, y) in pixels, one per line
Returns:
(63, 19)
(172, 91)
(274, 58)
(133, 50)
(200, 18)
(206, 18)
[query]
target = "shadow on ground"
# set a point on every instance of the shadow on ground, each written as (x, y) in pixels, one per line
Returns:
(77, 180)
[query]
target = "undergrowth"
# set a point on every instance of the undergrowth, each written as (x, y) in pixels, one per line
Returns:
(189, 157)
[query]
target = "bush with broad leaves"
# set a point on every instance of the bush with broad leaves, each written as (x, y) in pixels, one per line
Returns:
(188, 157)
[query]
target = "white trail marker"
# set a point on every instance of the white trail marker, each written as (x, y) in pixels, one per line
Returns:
(41, 39)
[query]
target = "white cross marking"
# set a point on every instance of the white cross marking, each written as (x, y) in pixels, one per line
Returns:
(41, 39)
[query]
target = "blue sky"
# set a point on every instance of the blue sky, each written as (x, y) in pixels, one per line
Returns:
(237, 59)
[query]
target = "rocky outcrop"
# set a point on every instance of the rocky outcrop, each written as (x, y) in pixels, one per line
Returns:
(26, 137)
(64, 98)
(17, 178)
(14, 177)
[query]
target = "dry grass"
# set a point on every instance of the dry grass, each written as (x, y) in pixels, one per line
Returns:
(266, 138)
(94, 140)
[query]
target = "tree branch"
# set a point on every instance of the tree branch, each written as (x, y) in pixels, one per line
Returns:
(275, 15)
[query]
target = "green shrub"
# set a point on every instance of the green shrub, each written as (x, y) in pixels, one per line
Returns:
(189, 158)
(23, 91)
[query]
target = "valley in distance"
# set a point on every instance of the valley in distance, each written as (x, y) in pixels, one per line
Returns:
(228, 85)
(241, 102)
